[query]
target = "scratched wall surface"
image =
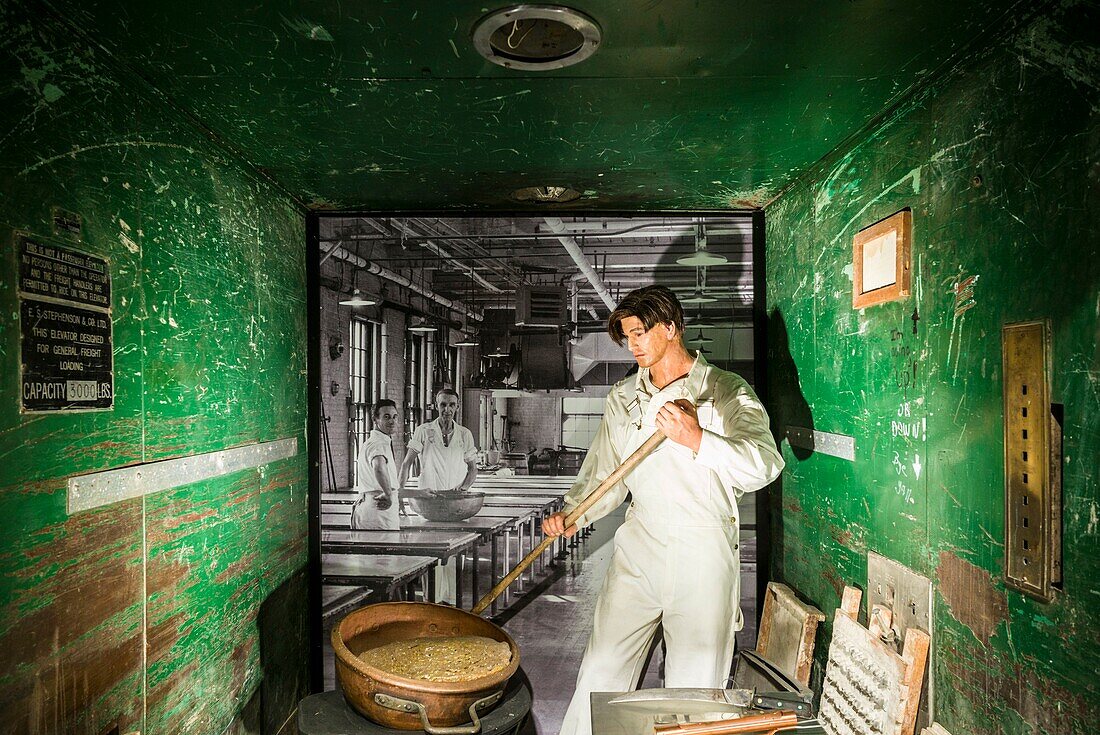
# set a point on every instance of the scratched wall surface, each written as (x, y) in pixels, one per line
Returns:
(182, 611)
(999, 164)
(687, 104)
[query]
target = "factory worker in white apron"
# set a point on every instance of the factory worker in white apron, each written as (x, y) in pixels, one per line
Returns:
(676, 559)
(448, 461)
(376, 474)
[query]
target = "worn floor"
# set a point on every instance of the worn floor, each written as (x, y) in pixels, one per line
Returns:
(551, 626)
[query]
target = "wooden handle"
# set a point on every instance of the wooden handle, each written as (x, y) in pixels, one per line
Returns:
(612, 480)
(767, 723)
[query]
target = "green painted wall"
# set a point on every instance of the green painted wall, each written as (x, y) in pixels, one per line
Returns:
(183, 611)
(999, 164)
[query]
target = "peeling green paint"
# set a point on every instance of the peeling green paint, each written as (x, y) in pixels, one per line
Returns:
(997, 163)
(308, 29)
(154, 613)
(51, 92)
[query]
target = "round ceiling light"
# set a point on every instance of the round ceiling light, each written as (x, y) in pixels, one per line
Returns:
(700, 322)
(358, 298)
(700, 338)
(421, 326)
(702, 257)
(545, 194)
(698, 298)
(536, 37)
(466, 340)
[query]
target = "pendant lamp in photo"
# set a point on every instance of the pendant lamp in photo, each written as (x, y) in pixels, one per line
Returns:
(358, 298)
(701, 257)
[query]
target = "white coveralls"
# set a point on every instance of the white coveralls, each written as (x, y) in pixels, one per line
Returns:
(443, 467)
(676, 560)
(365, 514)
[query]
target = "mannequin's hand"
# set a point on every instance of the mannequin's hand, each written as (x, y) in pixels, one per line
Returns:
(554, 525)
(679, 421)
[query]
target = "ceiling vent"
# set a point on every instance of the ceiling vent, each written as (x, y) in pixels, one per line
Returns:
(536, 37)
(541, 306)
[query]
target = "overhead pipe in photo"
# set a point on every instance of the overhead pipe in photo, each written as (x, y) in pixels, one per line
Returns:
(383, 381)
(338, 251)
(575, 252)
(574, 298)
(445, 255)
(573, 228)
(509, 273)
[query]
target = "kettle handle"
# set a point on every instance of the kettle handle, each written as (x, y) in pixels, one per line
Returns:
(407, 705)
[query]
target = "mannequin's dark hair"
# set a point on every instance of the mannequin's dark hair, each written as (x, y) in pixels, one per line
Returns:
(652, 304)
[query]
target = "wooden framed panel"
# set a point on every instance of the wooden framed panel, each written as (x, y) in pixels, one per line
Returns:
(869, 687)
(788, 630)
(881, 261)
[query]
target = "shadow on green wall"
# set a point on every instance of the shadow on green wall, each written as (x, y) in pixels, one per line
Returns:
(283, 629)
(788, 404)
(787, 407)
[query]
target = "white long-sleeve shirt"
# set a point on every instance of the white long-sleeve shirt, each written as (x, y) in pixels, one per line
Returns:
(737, 453)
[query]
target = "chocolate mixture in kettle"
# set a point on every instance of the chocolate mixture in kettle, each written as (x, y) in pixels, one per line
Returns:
(451, 658)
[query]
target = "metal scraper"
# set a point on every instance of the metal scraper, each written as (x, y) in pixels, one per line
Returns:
(685, 701)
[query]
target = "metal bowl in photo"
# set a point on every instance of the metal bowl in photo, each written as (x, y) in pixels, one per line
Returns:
(448, 506)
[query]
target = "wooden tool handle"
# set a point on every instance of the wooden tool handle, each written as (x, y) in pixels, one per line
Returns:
(612, 480)
(766, 723)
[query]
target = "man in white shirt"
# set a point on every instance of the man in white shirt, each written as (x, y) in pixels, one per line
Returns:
(448, 456)
(376, 474)
(676, 560)
(448, 461)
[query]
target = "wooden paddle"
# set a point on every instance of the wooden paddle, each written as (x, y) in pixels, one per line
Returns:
(766, 724)
(612, 480)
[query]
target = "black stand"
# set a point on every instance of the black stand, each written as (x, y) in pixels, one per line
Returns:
(330, 714)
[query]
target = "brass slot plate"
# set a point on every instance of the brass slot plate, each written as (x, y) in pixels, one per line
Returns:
(1032, 543)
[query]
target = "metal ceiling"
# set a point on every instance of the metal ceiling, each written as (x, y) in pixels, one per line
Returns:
(481, 262)
(687, 105)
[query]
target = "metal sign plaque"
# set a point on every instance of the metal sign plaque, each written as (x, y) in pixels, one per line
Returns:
(67, 223)
(60, 273)
(65, 328)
